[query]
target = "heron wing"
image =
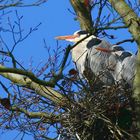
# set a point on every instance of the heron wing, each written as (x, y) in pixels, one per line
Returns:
(99, 61)
(125, 66)
(79, 54)
(129, 69)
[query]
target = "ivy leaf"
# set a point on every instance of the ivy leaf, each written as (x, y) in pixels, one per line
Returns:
(6, 103)
(72, 72)
(86, 2)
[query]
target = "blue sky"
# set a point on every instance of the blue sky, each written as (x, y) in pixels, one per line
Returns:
(56, 20)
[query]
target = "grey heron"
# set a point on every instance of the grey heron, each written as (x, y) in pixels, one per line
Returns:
(111, 63)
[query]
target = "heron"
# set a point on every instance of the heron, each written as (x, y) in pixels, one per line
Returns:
(110, 63)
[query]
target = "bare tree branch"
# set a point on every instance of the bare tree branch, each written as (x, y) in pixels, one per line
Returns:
(112, 28)
(4, 4)
(83, 14)
(129, 16)
(46, 92)
(26, 73)
(49, 118)
(126, 40)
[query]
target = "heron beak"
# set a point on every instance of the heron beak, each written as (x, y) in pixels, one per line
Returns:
(66, 37)
(103, 49)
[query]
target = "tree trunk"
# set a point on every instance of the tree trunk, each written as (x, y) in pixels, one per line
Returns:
(83, 15)
(133, 22)
(130, 19)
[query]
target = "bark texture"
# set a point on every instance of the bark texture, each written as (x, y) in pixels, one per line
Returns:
(44, 91)
(130, 19)
(83, 13)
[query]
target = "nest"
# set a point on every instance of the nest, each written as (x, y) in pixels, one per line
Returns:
(105, 114)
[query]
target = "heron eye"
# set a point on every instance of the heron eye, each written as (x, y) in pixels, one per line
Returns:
(136, 53)
(125, 55)
(118, 48)
(82, 32)
(93, 42)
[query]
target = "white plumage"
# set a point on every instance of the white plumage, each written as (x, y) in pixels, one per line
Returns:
(112, 64)
(126, 64)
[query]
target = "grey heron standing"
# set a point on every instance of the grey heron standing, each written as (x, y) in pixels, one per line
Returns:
(110, 63)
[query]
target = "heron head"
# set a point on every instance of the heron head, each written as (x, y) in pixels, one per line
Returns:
(77, 36)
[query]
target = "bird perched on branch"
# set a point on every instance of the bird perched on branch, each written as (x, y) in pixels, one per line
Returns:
(110, 63)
